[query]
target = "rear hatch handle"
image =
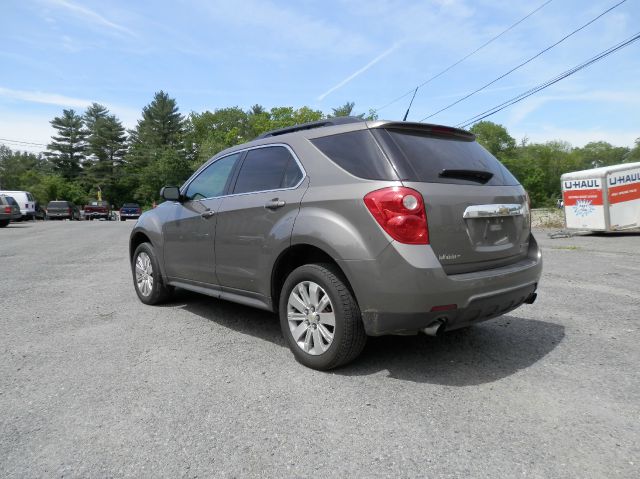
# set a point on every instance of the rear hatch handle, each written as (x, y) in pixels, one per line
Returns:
(493, 211)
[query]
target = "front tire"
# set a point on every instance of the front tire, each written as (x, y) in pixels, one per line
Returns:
(147, 279)
(320, 318)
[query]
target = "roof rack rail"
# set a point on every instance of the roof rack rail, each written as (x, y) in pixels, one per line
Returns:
(340, 120)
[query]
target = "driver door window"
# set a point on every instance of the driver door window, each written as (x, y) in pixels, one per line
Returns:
(212, 182)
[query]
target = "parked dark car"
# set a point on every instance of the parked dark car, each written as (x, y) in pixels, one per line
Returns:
(61, 210)
(131, 211)
(9, 210)
(346, 229)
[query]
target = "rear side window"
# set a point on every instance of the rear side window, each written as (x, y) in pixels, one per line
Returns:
(358, 153)
(270, 168)
(422, 157)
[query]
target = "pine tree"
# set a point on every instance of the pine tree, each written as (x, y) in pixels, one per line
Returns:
(67, 148)
(161, 124)
(106, 146)
(157, 155)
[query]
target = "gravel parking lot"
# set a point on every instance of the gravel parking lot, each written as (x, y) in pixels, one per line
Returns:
(93, 383)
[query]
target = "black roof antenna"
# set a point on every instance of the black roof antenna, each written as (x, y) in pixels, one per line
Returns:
(410, 103)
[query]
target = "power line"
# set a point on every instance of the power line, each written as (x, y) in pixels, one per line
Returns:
(526, 61)
(549, 82)
(465, 57)
(22, 142)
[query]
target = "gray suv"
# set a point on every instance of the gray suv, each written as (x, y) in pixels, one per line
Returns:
(346, 229)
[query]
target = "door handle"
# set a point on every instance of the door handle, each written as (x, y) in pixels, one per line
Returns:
(274, 204)
(208, 214)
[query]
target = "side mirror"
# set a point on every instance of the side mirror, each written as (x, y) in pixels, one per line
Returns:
(170, 193)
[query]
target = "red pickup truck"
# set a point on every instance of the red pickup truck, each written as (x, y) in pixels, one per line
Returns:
(97, 209)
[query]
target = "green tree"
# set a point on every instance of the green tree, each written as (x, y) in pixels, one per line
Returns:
(106, 145)
(157, 153)
(634, 154)
(92, 115)
(161, 124)
(67, 148)
(601, 153)
(210, 132)
(344, 110)
(494, 138)
(16, 165)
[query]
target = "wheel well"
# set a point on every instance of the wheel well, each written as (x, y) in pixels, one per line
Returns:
(136, 241)
(294, 257)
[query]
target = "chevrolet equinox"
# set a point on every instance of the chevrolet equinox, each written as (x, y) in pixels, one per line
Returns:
(347, 229)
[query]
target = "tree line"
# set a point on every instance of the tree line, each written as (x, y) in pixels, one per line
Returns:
(92, 152)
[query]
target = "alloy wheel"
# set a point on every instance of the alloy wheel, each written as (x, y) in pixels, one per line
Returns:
(311, 317)
(144, 274)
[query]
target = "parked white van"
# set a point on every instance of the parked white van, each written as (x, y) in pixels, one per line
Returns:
(25, 200)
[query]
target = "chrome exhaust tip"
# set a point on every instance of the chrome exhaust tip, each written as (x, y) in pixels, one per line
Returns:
(435, 328)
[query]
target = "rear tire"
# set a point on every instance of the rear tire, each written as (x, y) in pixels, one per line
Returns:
(4, 223)
(147, 279)
(320, 318)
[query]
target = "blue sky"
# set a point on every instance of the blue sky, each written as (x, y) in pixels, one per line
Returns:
(212, 54)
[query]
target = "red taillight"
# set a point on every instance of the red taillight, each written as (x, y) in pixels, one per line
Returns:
(69, 211)
(7, 210)
(400, 211)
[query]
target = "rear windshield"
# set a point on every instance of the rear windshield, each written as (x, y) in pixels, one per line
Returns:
(58, 204)
(419, 156)
(130, 205)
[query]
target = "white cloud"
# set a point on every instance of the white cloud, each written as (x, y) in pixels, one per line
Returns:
(300, 31)
(27, 128)
(91, 16)
(126, 114)
(523, 109)
(579, 137)
(43, 97)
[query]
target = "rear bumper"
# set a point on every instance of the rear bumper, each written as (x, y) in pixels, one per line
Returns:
(132, 216)
(397, 291)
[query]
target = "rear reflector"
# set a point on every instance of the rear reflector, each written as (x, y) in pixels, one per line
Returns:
(444, 307)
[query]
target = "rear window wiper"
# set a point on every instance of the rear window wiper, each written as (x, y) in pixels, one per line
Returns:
(471, 175)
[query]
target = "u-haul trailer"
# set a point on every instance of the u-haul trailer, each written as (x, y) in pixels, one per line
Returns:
(602, 199)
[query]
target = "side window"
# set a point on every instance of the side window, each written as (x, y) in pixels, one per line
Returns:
(211, 181)
(292, 174)
(267, 169)
(358, 153)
